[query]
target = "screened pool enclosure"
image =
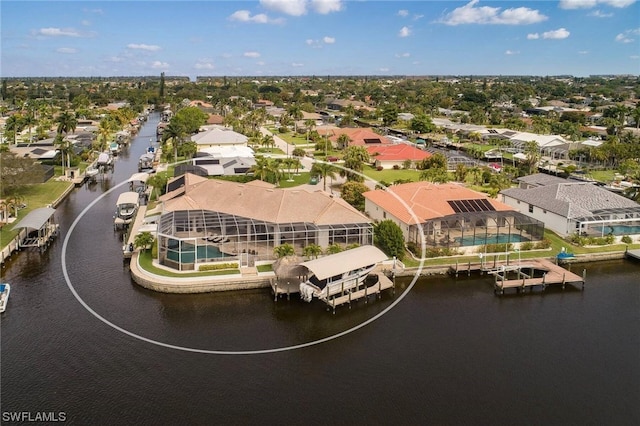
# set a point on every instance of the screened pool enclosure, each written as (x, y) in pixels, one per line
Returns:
(478, 228)
(187, 238)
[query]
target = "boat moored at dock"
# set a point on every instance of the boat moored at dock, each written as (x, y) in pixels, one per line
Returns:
(126, 208)
(338, 275)
(5, 289)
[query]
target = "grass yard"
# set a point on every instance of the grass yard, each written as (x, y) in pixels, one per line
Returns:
(301, 179)
(390, 175)
(34, 196)
(146, 263)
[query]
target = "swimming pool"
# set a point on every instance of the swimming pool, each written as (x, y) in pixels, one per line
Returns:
(188, 253)
(620, 229)
(491, 239)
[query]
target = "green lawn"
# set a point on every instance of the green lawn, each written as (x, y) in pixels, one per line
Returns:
(146, 263)
(293, 139)
(301, 179)
(390, 175)
(34, 196)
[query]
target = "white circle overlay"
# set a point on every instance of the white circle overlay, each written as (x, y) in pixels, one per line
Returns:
(243, 352)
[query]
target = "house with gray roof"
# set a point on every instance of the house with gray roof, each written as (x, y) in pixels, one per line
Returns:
(577, 207)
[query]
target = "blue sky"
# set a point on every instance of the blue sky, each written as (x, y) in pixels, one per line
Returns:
(319, 37)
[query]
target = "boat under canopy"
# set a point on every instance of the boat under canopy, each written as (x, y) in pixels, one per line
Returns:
(128, 198)
(40, 227)
(345, 261)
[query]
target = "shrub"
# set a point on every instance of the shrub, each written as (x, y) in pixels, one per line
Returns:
(543, 244)
(396, 167)
(527, 245)
(218, 266)
(379, 168)
(627, 239)
(495, 248)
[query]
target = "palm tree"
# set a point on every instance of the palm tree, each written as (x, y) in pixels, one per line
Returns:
(312, 251)
(296, 114)
(268, 141)
(143, 240)
(266, 170)
(343, 141)
(354, 159)
(14, 125)
(284, 250)
(532, 151)
(176, 132)
(67, 122)
(29, 121)
(309, 124)
(325, 170)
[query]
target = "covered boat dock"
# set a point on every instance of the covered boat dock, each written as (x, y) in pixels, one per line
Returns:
(40, 228)
(348, 275)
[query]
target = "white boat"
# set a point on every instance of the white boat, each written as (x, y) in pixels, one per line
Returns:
(91, 171)
(146, 161)
(5, 289)
(104, 160)
(126, 208)
(339, 273)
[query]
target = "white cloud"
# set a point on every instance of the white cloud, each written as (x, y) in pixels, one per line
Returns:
(297, 65)
(404, 32)
(159, 65)
(599, 14)
(142, 46)
(288, 7)
(583, 52)
(588, 4)
(324, 7)
(384, 70)
(556, 34)
(469, 14)
(57, 32)
(260, 18)
(85, 22)
(318, 44)
(403, 12)
(634, 57)
(251, 54)
(512, 52)
(69, 50)
(204, 65)
(625, 37)
(533, 36)
(403, 55)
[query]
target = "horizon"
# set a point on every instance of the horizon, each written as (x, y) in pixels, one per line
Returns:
(320, 38)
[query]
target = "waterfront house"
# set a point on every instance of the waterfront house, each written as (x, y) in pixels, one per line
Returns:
(219, 136)
(576, 207)
(450, 215)
(209, 220)
(390, 156)
(357, 136)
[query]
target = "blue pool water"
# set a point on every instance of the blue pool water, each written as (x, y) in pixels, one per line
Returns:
(491, 239)
(188, 254)
(620, 229)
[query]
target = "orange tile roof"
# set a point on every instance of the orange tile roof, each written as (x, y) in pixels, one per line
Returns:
(357, 135)
(261, 201)
(427, 200)
(397, 152)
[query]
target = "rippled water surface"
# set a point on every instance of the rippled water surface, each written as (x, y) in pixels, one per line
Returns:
(450, 352)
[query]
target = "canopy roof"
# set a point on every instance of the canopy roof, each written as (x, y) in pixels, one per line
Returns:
(139, 177)
(35, 219)
(128, 198)
(345, 261)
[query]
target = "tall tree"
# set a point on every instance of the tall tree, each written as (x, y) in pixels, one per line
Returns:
(354, 159)
(325, 170)
(388, 237)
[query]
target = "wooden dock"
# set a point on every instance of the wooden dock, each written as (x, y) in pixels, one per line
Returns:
(282, 287)
(534, 273)
(635, 254)
(374, 285)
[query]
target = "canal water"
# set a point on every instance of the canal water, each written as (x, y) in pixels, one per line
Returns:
(446, 352)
